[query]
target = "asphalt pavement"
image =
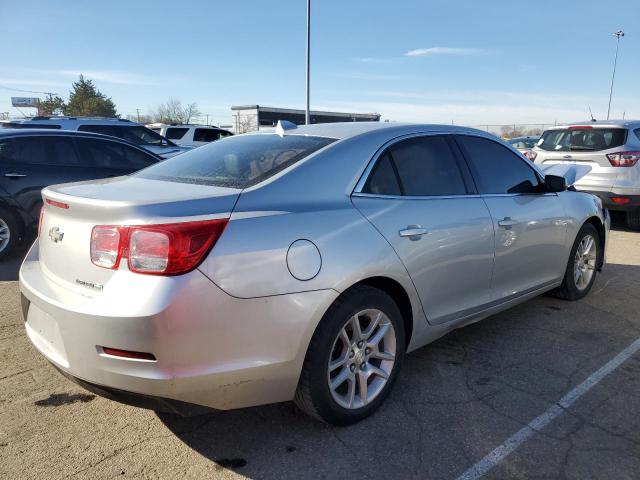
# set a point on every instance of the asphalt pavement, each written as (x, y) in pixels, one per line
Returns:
(457, 402)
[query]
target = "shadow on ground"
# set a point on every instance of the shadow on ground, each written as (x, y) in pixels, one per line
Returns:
(460, 397)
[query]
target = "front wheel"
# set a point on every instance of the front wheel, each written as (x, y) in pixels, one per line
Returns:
(582, 266)
(353, 358)
(9, 232)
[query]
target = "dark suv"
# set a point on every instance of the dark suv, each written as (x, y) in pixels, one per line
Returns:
(33, 159)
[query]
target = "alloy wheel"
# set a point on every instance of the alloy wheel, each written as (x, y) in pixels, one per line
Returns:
(584, 264)
(362, 359)
(5, 235)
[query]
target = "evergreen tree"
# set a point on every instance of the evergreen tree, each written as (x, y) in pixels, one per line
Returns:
(87, 101)
(53, 105)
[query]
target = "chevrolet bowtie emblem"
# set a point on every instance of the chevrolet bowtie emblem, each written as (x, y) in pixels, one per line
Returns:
(56, 234)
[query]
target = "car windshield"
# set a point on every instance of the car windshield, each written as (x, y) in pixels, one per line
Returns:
(236, 162)
(584, 139)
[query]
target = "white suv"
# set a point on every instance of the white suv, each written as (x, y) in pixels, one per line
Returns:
(193, 135)
(114, 127)
(611, 149)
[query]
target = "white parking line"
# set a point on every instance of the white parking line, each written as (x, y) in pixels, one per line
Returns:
(491, 460)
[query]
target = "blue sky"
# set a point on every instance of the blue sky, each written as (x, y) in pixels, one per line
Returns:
(462, 61)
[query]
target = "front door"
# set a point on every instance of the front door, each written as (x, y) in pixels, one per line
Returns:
(530, 225)
(419, 197)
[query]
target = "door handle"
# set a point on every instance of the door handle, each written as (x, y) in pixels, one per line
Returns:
(413, 231)
(14, 175)
(507, 222)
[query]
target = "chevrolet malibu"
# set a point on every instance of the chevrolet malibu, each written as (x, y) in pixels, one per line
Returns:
(300, 264)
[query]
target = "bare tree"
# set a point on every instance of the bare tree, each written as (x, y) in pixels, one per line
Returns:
(172, 111)
(246, 123)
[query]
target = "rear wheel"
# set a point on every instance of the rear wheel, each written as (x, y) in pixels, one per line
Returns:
(353, 358)
(8, 232)
(633, 219)
(582, 266)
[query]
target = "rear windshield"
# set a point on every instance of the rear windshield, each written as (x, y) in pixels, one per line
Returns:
(236, 162)
(582, 139)
(523, 142)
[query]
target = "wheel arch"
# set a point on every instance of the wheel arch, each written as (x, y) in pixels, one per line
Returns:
(602, 236)
(399, 295)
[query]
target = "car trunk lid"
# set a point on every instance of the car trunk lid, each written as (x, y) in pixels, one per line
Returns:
(71, 211)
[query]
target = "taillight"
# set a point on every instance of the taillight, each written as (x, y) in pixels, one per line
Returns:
(531, 155)
(167, 249)
(40, 220)
(105, 246)
(624, 159)
(57, 204)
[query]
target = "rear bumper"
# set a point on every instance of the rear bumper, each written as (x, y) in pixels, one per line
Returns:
(211, 349)
(632, 200)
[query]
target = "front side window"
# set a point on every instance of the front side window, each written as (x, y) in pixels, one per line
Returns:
(108, 154)
(422, 166)
(582, 139)
(238, 162)
(133, 133)
(496, 168)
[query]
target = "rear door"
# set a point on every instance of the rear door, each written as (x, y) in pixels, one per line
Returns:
(420, 197)
(29, 163)
(530, 225)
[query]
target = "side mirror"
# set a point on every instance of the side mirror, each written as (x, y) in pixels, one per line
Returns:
(554, 183)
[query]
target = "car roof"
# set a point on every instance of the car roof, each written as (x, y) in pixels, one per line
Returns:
(343, 130)
(599, 123)
(76, 120)
(41, 132)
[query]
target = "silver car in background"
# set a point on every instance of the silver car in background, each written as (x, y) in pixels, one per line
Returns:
(297, 265)
(611, 149)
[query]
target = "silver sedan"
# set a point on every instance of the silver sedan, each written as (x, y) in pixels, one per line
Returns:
(300, 264)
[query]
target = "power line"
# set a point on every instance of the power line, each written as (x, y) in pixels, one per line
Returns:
(26, 91)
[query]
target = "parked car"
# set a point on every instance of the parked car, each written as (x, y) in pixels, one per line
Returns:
(611, 149)
(32, 159)
(524, 144)
(300, 264)
(114, 127)
(193, 135)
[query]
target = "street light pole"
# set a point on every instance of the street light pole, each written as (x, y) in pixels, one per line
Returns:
(618, 34)
(307, 116)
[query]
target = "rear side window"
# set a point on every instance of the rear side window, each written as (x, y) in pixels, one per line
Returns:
(588, 139)
(423, 166)
(496, 168)
(175, 133)
(108, 154)
(205, 135)
(39, 151)
(133, 133)
(637, 132)
(383, 179)
(238, 162)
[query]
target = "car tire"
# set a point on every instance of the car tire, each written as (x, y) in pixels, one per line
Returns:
(633, 220)
(577, 281)
(9, 232)
(364, 361)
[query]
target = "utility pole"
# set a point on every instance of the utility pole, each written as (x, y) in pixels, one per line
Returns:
(618, 35)
(207, 119)
(138, 114)
(307, 116)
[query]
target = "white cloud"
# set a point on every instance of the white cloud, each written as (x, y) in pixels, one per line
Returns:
(117, 77)
(423, 52)
(375, 60)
